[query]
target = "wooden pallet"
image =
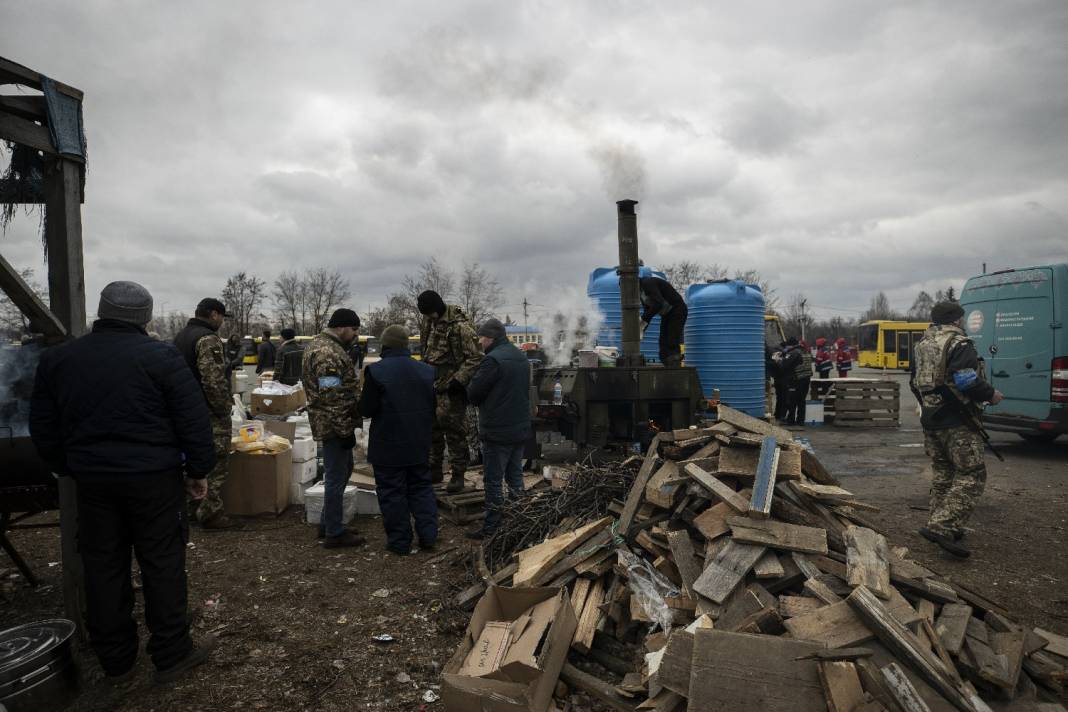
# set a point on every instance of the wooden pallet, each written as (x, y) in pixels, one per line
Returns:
(462, 507)
(857, 403)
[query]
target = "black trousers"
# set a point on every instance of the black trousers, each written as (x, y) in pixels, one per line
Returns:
(672, 326)
(795, 410)
(146, 514)
(782, 398)
(406, 494)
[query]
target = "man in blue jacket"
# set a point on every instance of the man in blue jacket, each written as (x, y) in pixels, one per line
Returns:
(398, 397)
(121, 413)
(501, 390)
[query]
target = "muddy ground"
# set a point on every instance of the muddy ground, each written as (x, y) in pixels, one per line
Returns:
(295, 621)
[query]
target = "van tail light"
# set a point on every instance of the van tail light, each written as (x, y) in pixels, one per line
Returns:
(1058, 391)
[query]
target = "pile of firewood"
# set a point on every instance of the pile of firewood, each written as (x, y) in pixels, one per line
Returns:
(738, 575)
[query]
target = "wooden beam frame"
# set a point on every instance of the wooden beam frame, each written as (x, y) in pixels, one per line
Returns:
(15, 73)
(28, 107)
(15, 287)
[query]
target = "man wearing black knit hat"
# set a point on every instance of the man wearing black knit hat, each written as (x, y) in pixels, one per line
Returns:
(451, 347)
(948, 381)
(333, 391)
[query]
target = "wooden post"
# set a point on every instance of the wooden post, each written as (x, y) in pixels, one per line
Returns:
(66, 289)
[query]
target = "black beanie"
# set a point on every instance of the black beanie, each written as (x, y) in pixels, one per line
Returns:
(946, 312)
(288, 334)
(430, 302)
(343, 317)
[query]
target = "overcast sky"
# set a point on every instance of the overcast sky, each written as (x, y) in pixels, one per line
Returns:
(839, 148)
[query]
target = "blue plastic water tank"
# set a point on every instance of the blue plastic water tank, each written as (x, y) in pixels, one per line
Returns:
(603, 288)
(725, 342)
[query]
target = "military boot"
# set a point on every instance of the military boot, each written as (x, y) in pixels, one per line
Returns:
(456, 482)
(437, 475)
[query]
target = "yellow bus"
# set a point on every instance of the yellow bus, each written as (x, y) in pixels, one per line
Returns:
(888, 344)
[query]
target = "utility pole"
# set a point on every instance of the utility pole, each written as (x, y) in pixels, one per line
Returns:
(525, 320)
(803, 303)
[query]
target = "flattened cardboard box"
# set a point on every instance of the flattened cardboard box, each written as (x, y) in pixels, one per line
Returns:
(541, 624)
(257, 484)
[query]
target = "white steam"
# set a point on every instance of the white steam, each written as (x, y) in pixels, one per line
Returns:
(568, 320)
(622, 168)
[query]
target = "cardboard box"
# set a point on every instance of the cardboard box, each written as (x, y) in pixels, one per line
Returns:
(512, 653)
(304, 471)
(278, 404)
(281, 427)
(257, 484)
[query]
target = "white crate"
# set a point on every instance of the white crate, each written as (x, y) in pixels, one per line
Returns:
(313, 503)
(367, 501)
(303, 472)
(240, 383)
(296, 492)
(303, 449)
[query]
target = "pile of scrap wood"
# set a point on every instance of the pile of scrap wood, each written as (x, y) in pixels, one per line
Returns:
(737, 574)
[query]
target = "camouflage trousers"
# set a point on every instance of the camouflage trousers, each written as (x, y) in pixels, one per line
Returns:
(212, 504)
(450, 427)
(474, 445)
(959, 477)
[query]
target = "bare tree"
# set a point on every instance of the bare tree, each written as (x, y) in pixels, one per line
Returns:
(796, 320)
(753, 277)
(326, 289)
(13, 323)
(921, 307)
(168, 325)
(686, 272)
(431, 275)
(480, 294)
(243, 295)
(290, 298)
(880, 309)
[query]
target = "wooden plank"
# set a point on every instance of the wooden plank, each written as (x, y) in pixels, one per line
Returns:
(738, 461)
(841, 686)
(590, 617)
(13, 72)
(26, 300)
(674, 671)
(764, 486)
(805, 564)
(662, 487)
(685, 559)
(27, 107)
(952, 625)
(727, 570)
(838, 626)
(821, 591)
(719, 488)
(741, 421)
(737, 671)
(713, 521)
(814, 469)
(769, 567)
(579, 594)
(536, 560)
(1010, 645)
(868, 560)
(637, 490)
(785, 537)
(794, 606)
(595, 688)
(901, 688)
(988, 665)
(23, 131)
(1056, 644)
(903, 643)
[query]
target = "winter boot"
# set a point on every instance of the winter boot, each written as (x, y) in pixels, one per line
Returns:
(456, 483)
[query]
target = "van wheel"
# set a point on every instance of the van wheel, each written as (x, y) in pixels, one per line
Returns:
(1039, 437)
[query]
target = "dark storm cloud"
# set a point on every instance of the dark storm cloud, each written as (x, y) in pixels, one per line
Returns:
(838, 147)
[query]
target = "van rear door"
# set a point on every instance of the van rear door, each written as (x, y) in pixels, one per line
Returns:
(1022, 346)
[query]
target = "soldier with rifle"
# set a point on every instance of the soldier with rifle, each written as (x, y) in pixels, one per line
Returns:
(948, 381)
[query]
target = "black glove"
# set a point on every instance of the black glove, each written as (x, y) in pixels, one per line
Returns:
(348, 442)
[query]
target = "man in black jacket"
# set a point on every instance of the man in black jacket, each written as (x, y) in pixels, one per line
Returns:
(659, 298)
(287, 362)
(121, 413)
(501, 390)
(265, 353)
(398, 397)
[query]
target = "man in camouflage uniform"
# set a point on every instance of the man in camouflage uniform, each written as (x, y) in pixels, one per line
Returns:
(205, 353)
(449, 345)
(946, 366)
(333, 391)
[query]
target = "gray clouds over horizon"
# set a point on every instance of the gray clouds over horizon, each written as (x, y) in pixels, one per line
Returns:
(838, 147)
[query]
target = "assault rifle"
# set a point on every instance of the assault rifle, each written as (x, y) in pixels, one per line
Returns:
(968, 416)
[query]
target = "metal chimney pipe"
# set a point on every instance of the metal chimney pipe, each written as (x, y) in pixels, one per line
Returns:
(629, 290)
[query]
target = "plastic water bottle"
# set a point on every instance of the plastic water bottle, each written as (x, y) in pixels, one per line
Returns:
(558, 394)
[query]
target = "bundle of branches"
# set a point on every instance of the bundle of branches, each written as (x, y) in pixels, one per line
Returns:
(526, 521)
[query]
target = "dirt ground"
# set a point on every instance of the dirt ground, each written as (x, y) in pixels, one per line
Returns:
(296, 622)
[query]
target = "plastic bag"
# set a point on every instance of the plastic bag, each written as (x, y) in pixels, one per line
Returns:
(275, 388)
(650, 587)
(250, 431)
(276, 444)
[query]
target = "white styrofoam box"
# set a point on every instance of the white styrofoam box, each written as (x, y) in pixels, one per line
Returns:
(303, 449)
(240, 383)
(814, 413)
(313, 503)
(297, 490)
(304, 471)
(367, 501)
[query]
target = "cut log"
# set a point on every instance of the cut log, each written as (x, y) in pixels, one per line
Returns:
(786, 537)
(868, 560)
(841, 686)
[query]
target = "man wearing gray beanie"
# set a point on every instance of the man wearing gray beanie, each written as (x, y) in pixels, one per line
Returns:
(121, 413)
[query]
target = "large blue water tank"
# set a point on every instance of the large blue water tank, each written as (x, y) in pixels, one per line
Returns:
(603, 288)
(725, 342)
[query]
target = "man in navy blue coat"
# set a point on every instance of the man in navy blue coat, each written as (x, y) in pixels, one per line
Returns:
(398, 397)
(121, 413)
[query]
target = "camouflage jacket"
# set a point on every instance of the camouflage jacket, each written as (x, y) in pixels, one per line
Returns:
(332, 387)
(451, 347)
(211, 363)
